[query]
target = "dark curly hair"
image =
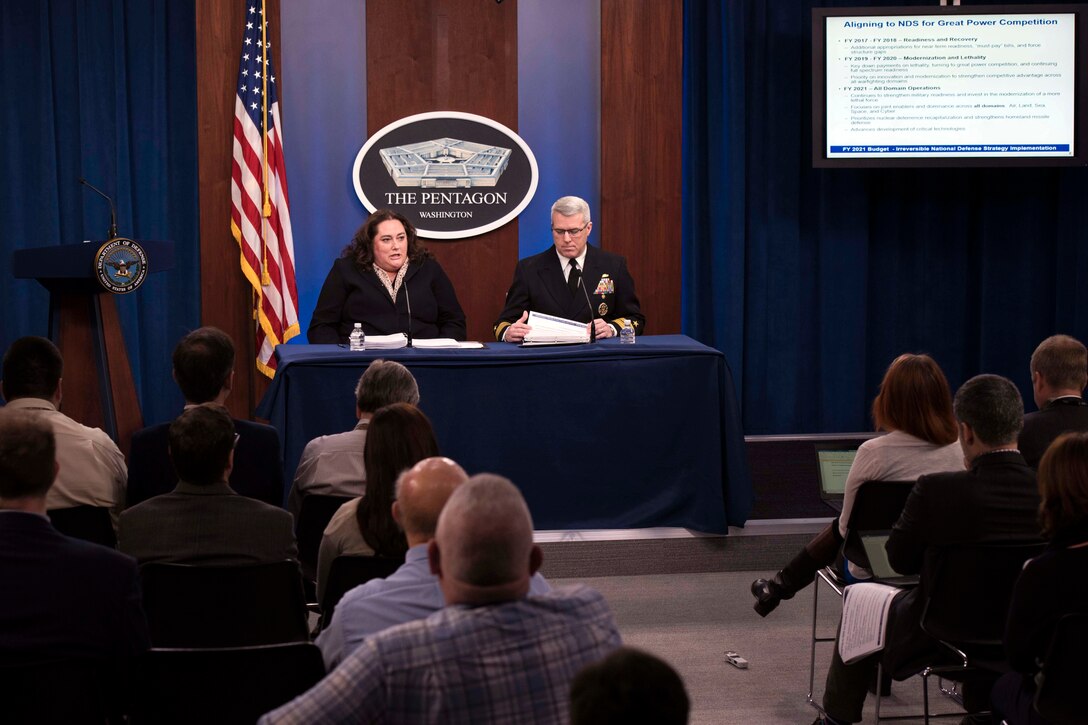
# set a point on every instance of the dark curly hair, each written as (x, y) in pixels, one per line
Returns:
(361, 248)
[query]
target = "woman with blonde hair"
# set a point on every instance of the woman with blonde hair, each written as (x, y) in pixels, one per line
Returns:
(914, 406)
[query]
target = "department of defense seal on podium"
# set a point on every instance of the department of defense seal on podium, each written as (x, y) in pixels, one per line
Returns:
(121, 265)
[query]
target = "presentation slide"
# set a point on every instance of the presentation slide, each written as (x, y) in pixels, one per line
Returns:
(927, 86)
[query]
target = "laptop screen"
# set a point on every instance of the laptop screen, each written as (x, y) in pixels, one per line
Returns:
(834, 466)
(874, 542)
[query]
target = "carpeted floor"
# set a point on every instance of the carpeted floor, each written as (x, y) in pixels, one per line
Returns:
(690, 620)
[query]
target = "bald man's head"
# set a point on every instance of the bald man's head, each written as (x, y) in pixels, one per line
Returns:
(422, 492)
(483, 548)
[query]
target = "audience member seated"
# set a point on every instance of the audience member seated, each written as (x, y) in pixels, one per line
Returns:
(1059, 372)
(203, 520)
(399, 436)
(332, 465)
(412, 592)
(1053, 584)
(204, 371)
(628, 686)
(995, 500)
(914, 406)
(63, 598)
(92, 468)
(494, 654)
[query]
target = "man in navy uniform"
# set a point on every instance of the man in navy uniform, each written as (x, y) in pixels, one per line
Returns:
(551, 282)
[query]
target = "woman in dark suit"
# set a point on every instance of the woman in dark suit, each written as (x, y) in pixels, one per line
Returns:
(380, 276)
(1054, 583)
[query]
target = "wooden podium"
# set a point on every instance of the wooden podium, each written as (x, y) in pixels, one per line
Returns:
(83, 322)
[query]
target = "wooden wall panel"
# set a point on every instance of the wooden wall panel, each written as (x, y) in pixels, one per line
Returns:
(225, 296)
(641, 87)
(451, 55)
(461, 55)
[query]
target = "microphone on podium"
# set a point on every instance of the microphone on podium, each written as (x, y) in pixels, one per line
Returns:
(112, 234)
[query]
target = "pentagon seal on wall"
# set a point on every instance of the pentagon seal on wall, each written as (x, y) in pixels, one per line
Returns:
(452, 174)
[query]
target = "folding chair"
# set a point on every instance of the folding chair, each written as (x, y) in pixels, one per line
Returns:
(877, 506)
(73, 691)
(224, 606)
(223, 685)
(968, 588)
(314, 515)
(90, 523)
(348, 572)
(1059, 694)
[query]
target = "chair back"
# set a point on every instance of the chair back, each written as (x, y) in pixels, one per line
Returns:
(79, 691)
(314, 515)
(877, 506)
(224, 606)
(90, 523)
(348, 572)
(224, 685)
(968, 588)
(1059, 696)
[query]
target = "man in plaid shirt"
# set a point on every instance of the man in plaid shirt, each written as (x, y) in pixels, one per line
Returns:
(495, 654)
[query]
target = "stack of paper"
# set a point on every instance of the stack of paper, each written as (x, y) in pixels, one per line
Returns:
(435, 342)
(864, 619)
(551, 330)
(386, 342)
(444, 342)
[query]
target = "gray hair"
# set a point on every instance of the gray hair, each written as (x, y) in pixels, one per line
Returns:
(485, 532)
(992, 406)
(571, 205)
(384, 383)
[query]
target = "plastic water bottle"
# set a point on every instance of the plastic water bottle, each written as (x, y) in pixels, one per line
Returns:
(357, 338)
(627, 333)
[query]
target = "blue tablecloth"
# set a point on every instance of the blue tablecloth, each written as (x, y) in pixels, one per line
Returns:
(596, 436)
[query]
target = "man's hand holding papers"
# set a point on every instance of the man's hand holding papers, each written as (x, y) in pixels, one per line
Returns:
(551, 330)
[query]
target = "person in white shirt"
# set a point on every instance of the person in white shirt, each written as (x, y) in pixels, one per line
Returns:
(914, 406)
(92, 467)
(333, 465)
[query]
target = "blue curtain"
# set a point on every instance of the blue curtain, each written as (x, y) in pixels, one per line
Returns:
(812, 280)
(103, 89)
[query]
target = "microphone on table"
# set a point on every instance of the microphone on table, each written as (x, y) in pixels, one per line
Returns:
(112, 234)
(408, 299)
(592, 313)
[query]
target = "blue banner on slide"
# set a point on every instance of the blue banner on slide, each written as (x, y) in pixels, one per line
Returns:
(1012, 148)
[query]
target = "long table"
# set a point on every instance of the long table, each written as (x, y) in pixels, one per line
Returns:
(598, 436)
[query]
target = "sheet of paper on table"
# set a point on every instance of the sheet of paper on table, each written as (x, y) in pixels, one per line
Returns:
(435, 343)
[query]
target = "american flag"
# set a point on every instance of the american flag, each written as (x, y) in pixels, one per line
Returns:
(260, 219)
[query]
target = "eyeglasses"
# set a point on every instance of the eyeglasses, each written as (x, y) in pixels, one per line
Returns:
(236, 437)
(572, 232)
